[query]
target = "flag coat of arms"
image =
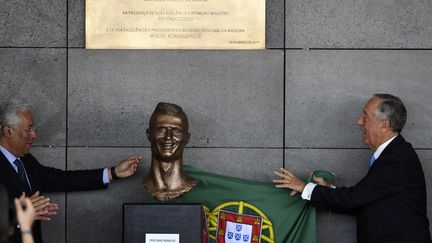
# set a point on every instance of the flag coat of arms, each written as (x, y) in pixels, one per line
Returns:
(236, 228)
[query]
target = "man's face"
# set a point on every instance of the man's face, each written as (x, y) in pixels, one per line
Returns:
(168, 137)
(371, 125)
(21, 137)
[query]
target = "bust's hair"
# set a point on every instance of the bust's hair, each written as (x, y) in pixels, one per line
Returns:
(171, 110)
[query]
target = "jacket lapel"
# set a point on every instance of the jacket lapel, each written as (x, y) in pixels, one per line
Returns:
(10, 178)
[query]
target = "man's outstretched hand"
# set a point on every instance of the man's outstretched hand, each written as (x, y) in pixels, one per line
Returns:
(44, 208)
(126, 167)
(290, 181)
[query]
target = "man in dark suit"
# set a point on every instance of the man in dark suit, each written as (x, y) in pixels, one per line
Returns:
(21, 173)
(389, 203)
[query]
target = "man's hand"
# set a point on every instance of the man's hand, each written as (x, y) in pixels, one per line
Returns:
(43, 207)
(126, 167)
(288, 180)
(320, 181)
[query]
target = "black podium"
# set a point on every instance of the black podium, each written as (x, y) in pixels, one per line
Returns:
(143, 222)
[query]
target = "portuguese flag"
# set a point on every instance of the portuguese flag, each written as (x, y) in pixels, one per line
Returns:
(285, 218)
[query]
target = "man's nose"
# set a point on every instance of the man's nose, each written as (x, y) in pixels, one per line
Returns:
(360, 121)
(33, 134)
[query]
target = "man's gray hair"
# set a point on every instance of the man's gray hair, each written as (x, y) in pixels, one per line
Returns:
(8, 113)
(392, 109)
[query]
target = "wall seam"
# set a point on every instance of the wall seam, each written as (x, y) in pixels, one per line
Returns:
(284, 84)
(67, 113)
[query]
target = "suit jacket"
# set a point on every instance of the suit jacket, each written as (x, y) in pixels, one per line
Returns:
(389, 203)
(45, 179)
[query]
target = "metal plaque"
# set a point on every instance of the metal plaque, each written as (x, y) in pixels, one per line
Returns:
(175, 24)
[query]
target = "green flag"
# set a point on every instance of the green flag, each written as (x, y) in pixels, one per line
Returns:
(291, 219)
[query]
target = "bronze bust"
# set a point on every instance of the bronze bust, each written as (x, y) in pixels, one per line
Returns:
(168, 134)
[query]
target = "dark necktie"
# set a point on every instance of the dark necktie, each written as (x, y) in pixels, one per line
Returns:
(22, 174)
(371, 160)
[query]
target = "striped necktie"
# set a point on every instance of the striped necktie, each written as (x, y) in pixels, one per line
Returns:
(22, 174)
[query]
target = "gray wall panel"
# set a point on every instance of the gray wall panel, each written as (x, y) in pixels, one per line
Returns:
(33, 23)
(53, 230)
(328, 89)
(358, 24)
(274, 24)
(232, 99)
(76, 23)
(37, 77)
(332, 227)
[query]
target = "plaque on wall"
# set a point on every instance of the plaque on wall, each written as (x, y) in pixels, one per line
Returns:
(175, 24)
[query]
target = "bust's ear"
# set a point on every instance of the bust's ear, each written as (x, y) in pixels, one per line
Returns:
(188, 137)
(148, 133)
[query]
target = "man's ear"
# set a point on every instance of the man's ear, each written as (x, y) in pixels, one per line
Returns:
(6, 131)
(385, 125)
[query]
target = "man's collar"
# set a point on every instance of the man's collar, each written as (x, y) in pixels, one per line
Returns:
(381, 148)
(9, 156)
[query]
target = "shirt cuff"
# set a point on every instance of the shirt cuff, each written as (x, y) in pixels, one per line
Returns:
(105, 177)
(307, 191)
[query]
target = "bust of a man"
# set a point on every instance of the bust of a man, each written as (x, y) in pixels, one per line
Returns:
(168, 134)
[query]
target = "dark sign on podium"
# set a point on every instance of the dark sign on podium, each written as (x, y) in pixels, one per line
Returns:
(162, 223)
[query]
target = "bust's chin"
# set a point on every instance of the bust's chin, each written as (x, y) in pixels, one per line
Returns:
(168, 158)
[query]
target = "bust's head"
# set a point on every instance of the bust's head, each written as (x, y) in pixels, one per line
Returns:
(168, 132)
